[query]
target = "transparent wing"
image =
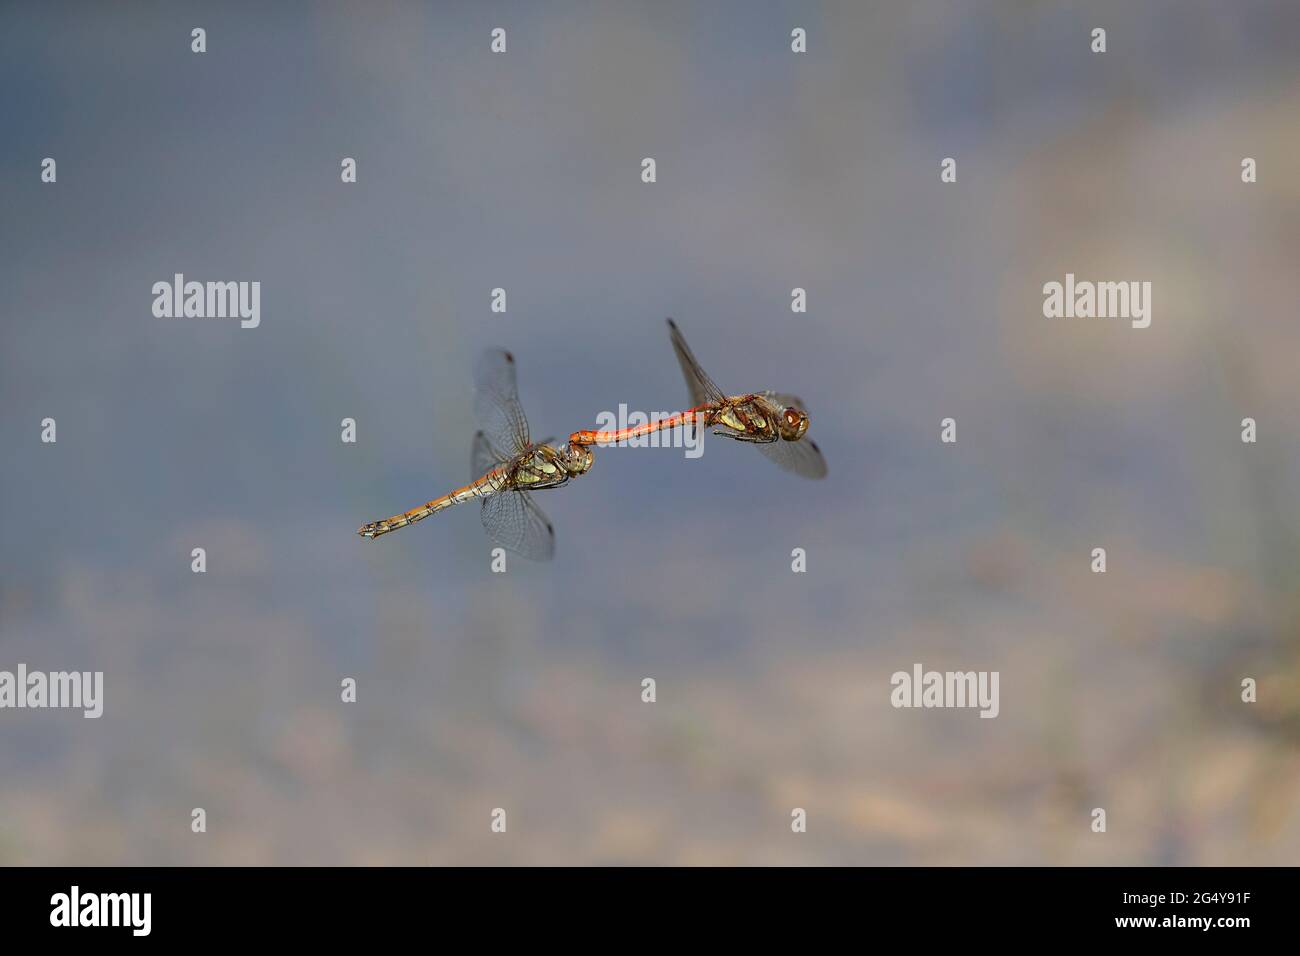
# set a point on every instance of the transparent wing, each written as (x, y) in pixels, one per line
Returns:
(703, 391)
(803, 457)
(786, 400)
(484, 457)
(496, 403)
(514, 521)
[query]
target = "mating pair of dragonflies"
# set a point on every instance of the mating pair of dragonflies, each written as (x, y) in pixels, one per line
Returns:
(508, 464)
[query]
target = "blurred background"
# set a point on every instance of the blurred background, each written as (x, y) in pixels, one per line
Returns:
(522, 690)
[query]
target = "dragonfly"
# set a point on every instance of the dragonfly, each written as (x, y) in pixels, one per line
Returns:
(776, 423)
(508, 465)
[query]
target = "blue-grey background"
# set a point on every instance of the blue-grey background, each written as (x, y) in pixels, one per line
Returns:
(775, 170)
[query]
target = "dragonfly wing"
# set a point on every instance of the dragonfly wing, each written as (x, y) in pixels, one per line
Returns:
(703, 391)
(803, 457)
(786, 401)
(513, 520)
(485, 456)
(496, 403)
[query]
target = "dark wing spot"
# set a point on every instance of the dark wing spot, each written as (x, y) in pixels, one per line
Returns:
(510, 358)
(550, 528)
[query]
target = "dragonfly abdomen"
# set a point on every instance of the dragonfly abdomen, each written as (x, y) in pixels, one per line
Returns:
(621, 436)
(487, 485)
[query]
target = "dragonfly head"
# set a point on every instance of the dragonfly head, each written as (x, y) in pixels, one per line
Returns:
(576, 459)
(792, 423)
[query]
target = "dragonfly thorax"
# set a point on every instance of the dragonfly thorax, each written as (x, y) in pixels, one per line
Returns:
(746, 419)
(755, 418)
(548, 466)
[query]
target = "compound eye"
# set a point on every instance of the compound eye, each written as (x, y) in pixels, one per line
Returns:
(792, 418)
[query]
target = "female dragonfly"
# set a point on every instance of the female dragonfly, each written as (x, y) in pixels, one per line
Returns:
(508, 464)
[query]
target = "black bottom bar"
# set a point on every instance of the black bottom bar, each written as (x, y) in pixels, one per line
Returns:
(334, 905)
